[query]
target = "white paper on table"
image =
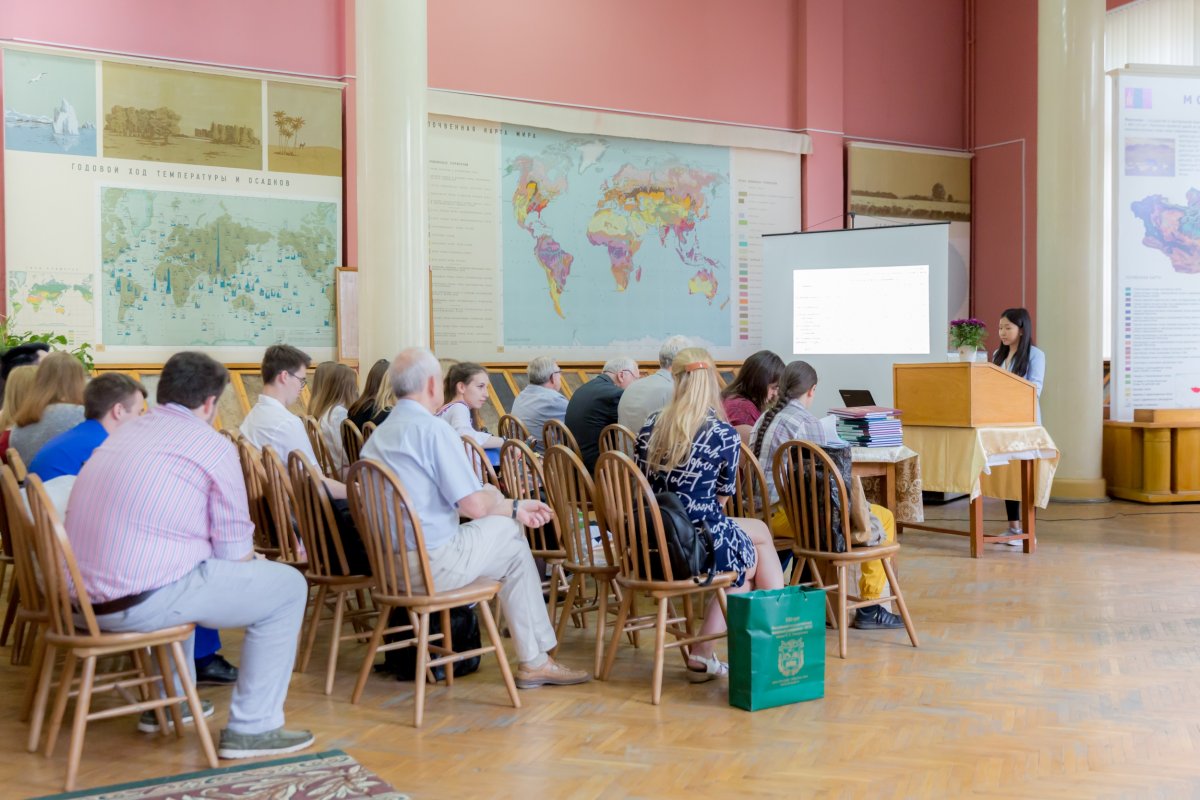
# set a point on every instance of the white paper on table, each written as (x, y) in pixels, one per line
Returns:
(829, 430)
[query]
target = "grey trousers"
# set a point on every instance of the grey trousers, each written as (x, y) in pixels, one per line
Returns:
(265, 598)
(495, 548)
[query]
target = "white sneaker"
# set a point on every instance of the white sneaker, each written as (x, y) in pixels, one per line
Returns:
(1014, 542)
(713, 668)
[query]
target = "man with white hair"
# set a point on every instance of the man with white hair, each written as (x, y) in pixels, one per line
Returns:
(593, 406)
(653, 392)
(542, 399)
(428, 458)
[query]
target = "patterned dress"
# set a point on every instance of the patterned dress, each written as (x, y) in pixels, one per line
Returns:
(711, 471)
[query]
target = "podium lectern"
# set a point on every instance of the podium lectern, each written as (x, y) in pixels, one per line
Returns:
(950, 411)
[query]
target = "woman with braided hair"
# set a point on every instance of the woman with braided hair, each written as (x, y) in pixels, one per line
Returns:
(790, 418)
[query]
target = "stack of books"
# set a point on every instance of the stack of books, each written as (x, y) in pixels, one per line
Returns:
(869, 426)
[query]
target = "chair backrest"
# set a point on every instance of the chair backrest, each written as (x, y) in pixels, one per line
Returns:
(555, 432)
(524, 481)
(316, 520)
(320, 449)
(631, 514)
(352, 441)
(254, 477)
(480, 462)
(512, 428)
(17, 463)
(572, 495)
(382, 513)
(804, 477)
(277, 491)
(24, 544)
(56, 563)
(367, 430)
(752, 500)
(618, 437)
(231, 435)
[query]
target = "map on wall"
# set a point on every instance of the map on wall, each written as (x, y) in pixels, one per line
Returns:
(191, 269)
(607, 239)
(58, 302)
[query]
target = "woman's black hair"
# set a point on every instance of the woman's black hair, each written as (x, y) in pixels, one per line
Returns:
(754, 379)
(1020, 363)
(797, 378)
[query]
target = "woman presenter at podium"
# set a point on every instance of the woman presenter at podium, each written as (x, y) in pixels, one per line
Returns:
(1018, 355)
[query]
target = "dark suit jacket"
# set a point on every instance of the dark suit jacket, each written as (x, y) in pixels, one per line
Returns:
(593, 406)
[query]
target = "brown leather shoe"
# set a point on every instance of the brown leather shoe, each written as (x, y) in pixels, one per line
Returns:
(551, 673)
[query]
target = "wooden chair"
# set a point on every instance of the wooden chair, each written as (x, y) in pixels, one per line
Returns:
(18, 465)
(7, 558)
(352, 441)
(320, 448)
(804, 477)
(277, 492)
(571, 494)
(522, 476)
(28, 605)
(367, 430)
(480, 462)
(254, 478)
(752, 499)
(231, 434)
(85, 645)
(631, 513)
(327, 566)
(512, 428)
(382, 511)
(555, 432)
(618, 437)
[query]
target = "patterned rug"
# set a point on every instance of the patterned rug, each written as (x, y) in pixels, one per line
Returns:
(324, 776)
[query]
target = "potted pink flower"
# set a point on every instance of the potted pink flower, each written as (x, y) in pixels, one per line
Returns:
(967, 335)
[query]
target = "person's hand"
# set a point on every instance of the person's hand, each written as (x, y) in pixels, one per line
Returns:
(533, 513)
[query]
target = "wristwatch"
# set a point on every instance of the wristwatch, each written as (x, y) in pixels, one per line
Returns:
(514, 513)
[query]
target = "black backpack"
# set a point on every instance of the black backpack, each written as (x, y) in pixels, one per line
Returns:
(690, 549)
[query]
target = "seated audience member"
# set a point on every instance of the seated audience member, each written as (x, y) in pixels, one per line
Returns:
(109, 401)
(28, 354)
(652, 393)
(427, 456)
(790, 418)
(335, 389)
(161, 529)
(593, 406)
(19, 382)
(53, 405)
(376, 399)
(466, 386)
(688, 448)
(752, 391)
(541, 400)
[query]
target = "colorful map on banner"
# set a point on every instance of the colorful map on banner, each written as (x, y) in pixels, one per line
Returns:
(1172, 229)
(190, 269)
(59, 303)
(607, 239)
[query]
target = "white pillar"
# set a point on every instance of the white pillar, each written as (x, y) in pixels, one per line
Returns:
(391, 78)
(1069, 279)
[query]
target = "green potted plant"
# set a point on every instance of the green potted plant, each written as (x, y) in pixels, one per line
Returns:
(967, 336)
(9, 337)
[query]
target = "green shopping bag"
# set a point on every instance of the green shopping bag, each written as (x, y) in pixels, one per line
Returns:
(776, 647)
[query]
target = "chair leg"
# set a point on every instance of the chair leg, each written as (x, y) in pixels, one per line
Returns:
(193, 698)
(660, 634)
(904, 615)
(35, 673)
(310, 637)
(448, 643)
(572, 591)
(10, 613)
(501, 657)
(622, 615)
(335, 640)
(164, 669)
(141, 659)
(601, 620)
(552, 603)
(83, 704)
(369, 658)
(820, 583)
(843, 623)
(60, 703)
(40, 699)
(422, 657)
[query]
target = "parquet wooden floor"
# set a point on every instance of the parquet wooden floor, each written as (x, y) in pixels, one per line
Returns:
(1071, 673)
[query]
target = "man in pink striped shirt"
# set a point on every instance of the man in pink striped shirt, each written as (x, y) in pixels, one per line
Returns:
(160, 525)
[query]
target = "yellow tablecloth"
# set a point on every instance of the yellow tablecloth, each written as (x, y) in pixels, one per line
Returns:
(909, 507)
(979, 460)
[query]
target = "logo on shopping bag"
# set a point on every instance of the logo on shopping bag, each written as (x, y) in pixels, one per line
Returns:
(791, 656)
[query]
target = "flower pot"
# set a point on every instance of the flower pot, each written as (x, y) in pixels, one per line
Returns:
(966, 353)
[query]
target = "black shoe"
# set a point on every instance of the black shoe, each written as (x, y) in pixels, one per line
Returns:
(873, 618)
(216, 672)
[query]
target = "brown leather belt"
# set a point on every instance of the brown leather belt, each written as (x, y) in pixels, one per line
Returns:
(121, 603)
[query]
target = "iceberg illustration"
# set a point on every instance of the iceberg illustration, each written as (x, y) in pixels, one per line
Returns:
(66, 123)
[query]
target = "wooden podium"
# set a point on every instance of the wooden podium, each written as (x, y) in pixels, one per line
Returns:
(970, 395)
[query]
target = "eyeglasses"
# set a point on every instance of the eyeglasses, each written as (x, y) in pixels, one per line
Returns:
(303, 381)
